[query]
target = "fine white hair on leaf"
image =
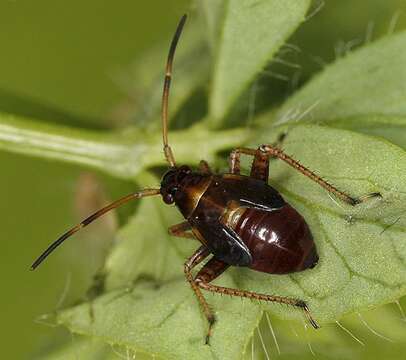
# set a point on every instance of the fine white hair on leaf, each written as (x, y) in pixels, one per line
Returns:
(289, 114)
(292, 47)
(252, 348)
(294, 81)
(297, 114)
(309, 345)
(393, 22)
(273, 333)
(44, 320)
(350, 333)
(316, 8)
(335, 201)
(372, 330)
(275, 75)
(402, 313)
(65, 291)
(369, 32)
(290, 64)
(118, 353)
(263, 344)
(307, 111)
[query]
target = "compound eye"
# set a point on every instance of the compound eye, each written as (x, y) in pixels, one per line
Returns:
(168, 199)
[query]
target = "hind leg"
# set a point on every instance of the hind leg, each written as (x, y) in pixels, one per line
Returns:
(215, 268)
(260, 170)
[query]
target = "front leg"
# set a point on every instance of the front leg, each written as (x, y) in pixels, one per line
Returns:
(193, 261)
(181, 230)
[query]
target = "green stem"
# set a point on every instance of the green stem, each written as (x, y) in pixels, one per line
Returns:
(121, 154)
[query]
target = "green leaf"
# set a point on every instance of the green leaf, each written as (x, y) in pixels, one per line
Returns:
(213, 14)
(145, 251)
(380, 330)
(252, 32)
(362, 252)
(82, 349)
(373, 334)
(165, 322)
(368, 81)
(362, 256)
(389, 127)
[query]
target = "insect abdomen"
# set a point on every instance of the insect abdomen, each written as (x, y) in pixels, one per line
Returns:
(279, 241)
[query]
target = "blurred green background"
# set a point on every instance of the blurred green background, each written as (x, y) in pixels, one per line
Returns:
(66, 56)
(65, 62)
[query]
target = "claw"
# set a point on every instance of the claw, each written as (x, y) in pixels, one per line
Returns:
(363, 198)
(211, 320)
(309, 317)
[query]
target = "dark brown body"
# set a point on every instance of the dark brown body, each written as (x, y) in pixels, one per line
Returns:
(245, 222)
(279, 241)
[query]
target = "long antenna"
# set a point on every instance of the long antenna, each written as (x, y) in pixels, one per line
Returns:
(91, 218)
(167, 83)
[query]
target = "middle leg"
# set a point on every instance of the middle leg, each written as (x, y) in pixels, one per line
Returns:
(193, 261)
(204, 167)
(260, 165)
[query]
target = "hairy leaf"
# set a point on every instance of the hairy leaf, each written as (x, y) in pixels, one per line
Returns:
(392, 128)
(362, 257)
(252, 32)
(166, 322)
(366, 335)
(368, 81)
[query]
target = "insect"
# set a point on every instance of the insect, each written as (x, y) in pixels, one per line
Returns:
(238, 220)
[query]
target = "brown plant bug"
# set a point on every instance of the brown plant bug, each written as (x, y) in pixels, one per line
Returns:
(239, 220)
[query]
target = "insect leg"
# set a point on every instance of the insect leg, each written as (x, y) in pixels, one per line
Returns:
(181, 230)
(260, 164)
(214, 268)
(194, 260)
(234, 159)
(204, 167)
(275, 152)
(211, 270)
